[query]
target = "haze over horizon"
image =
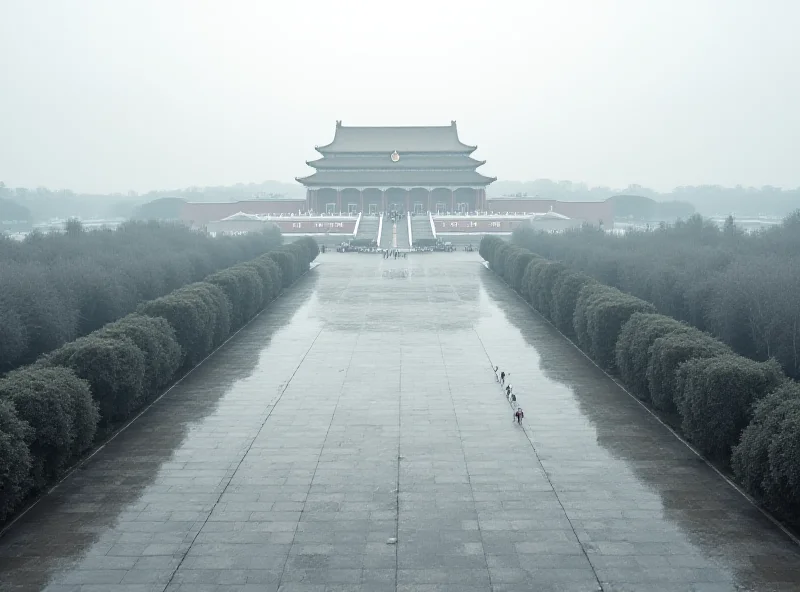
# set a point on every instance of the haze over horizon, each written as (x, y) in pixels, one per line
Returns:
(111, 97)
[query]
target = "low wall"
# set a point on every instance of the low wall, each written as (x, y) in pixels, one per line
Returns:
(298, 225)
(478, 224)
(590, 211)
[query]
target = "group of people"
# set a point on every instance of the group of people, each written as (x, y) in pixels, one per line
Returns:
(389, 253)
(509, 390)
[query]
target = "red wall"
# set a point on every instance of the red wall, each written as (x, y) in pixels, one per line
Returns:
(199, 214)
(501, 225)
(316, 226)
(296, 226)
(590, 211)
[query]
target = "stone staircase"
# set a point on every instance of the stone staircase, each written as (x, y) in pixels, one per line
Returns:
(421, 229)
(387, 234)
(402, 234)
(368, 228)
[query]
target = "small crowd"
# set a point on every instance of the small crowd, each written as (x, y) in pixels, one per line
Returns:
(509, 391)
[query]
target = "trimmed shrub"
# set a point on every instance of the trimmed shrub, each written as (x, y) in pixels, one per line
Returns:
(669, 352)
(114, 368)
(566, 290)
(190, 312)
(242, 286)
(58, 407)
(519, 271)
(525, 282)
(784, 450)
(261, 268)
(286, 263)
(487, 246)
(156, 339)
(605, 322)
(219, 309)
(715, 398)
(751, 457)
(312, 248)
(15, 467)
(633, 348)
(537, 266)
(545, 281)
(512, 258)
(274, 274)
(600, 313)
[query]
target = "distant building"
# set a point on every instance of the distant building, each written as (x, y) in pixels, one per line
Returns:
(403, 169)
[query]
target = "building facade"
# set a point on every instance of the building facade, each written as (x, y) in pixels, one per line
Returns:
(403, 169)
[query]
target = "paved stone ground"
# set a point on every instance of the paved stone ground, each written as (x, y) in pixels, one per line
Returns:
(362, 407)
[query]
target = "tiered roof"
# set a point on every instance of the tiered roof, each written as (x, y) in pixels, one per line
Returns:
(423, 156)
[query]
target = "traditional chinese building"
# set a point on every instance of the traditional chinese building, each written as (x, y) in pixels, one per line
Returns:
(403, 169)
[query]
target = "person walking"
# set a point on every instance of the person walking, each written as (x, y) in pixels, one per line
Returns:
(508, 391)
(503, 377)
(496, 377)
(513, 401)
(518, 414)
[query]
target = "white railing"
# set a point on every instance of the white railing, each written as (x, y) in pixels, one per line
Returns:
(380, 230)
(358, 221)
(410, 238)
(433, 226)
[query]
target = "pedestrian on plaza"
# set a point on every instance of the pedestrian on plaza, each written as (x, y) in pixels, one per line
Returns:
(513, 401)
(503, 377)
(508, 391)
(518, 414)
(495, 374)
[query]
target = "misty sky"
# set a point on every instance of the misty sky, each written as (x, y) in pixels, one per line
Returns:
(104, 96)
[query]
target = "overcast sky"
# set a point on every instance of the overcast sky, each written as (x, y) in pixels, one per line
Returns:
(113, 95)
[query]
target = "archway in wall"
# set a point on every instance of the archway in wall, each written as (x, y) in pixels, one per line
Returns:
(396, 200)
(373, 201)
(440, 200)
(466, 199)
(326, 201)
(418, 200)
(351, 201)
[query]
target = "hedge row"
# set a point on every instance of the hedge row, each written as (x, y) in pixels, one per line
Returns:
(57, 287)
(51, 412)
(734, 409)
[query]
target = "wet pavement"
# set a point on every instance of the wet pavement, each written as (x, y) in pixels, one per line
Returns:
(353, 437)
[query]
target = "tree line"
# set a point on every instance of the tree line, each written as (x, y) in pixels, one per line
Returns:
(54, 410)
(740, 412)
(710, 200)
(44, 203)
(740, 287)
(56, 287)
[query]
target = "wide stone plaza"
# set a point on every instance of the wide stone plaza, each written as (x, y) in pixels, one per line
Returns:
(353, 437)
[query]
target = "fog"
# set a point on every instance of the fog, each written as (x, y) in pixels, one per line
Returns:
(104, 97)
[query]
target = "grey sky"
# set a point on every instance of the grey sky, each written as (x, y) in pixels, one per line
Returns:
(152, 94)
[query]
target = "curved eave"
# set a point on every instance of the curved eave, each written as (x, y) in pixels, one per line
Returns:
(309, 181)
(327, 164)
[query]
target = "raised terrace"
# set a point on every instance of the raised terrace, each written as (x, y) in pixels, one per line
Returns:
(353, 437)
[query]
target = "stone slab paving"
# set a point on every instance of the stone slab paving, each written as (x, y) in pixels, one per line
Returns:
(361, 408)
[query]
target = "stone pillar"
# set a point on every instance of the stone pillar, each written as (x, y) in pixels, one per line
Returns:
(338, 200)
(452, 201)
(361, 196)
(383, 200)
(408, 200)
(429, 200)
